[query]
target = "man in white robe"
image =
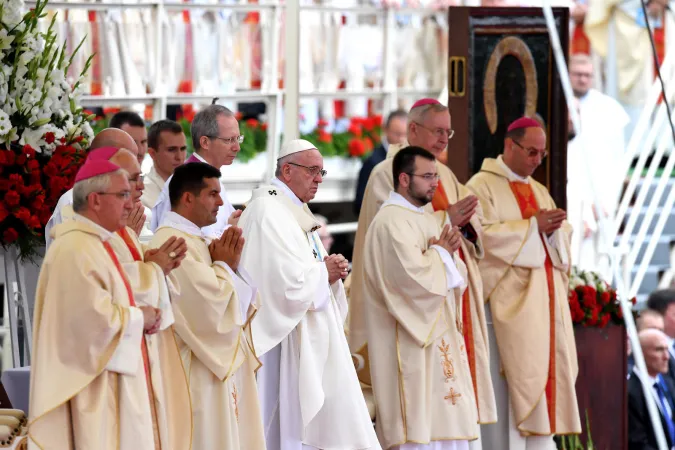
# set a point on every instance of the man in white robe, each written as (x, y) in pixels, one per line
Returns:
(168, 148)
(213, 311)
(216, 139)
(310, 395)
(88, 382)
(110, 137)
(419, 364)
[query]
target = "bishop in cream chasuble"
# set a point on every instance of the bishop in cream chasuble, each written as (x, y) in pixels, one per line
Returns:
(525, 280)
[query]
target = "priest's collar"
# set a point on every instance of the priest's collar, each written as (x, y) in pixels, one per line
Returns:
(199, 157)
(104, 234)
(510, 174)
(286, 190)
(174, 220)
(398, 200)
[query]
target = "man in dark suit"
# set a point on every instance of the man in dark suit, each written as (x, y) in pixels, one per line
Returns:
(641, 434)
(395, 131)
(649, 319)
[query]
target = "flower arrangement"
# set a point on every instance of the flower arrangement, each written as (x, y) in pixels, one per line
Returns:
(362, 135)
(43, 131)
(593, 302)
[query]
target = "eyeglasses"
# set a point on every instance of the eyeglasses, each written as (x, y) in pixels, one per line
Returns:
(439, 132)
(427, 176)
(231, 140)
(124, 195)
(314, 170)
(137, 179)
(532, 152)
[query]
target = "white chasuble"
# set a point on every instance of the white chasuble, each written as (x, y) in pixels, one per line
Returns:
(88, 383)
(309, 392)
(418, 361)
(212, 316)
(450, 190)
(525, 279)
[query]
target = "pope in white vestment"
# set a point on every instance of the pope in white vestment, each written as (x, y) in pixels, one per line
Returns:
(310, 395)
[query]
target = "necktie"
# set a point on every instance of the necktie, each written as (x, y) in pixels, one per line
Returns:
(665, 406)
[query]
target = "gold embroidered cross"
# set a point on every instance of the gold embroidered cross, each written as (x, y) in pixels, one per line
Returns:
(453, 396)
(236, 403)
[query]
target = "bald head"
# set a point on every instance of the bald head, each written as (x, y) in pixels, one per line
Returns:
(650, 319)
(654, 345)
(128, 161)
(114, 137)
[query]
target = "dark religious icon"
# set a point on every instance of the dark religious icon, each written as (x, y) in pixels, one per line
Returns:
(315, 254)
(272, 192)
(516, 47)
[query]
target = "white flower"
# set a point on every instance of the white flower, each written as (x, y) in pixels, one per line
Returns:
(5, 124)
(11, 12)
(5, 39)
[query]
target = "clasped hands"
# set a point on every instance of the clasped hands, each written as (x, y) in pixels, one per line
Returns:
(228, 248)
(169, 255)
(337, 266)
(461, 212)
(450, 239)
(550, 220)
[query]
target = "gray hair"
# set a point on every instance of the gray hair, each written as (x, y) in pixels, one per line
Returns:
(83, 188)
(205, 123)
(419, 114)
(281, 161)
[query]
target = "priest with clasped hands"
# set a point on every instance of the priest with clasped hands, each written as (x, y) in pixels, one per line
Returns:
(91, 384)
(414, 282)
(430, 127)
(213, 310)
(525, 281)
(309, 393)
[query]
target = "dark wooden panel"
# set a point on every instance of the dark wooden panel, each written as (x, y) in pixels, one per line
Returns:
(601, 385)
(509, 71)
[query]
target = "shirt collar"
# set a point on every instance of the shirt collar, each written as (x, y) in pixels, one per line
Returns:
(174, 220)
(397, 199)
(199, 157)
(512, 176)
(104, 234)
(286, 190)
(650, 379)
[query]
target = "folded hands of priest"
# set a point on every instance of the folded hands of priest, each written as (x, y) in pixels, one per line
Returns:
(169, 255)
(337, 266)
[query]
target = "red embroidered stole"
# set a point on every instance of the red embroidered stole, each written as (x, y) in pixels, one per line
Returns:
(528, 208)
(580, 42)
(440, 203)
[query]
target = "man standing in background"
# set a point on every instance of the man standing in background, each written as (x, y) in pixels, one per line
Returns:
(167, 147)
(394, 133)
(134, 125)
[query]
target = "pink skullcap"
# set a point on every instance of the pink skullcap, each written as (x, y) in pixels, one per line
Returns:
(424, 102)
(102, 154)
(94, 168)
(523, 122)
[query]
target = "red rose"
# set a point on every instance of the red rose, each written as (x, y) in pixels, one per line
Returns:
(356, 147)
(355, 130)
(50, 137)
(44, 215)
(325, 137)
(21, 160)
(10, 157)
(3, 212)
(10, 235)
(33, 222)
(369, 124)
(604, 321)
(252, 123)
(605, 298)
(263, 126)
(33, 165)
(4, 185)
(30, 151)
(3, 158)
(368, 144)
(238, 115)
(357, 121)
(322, 123)
(50, 169)
(23, 214)
(377, 119)
(633, 300)
(12, 198)
(38, 202)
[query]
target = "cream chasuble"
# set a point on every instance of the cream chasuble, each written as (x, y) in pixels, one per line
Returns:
(152, 187)
(525, 279)
(170, 389)
(418, 360)
(88, 381)
(308, 387)
(380, 184)
(213, 312)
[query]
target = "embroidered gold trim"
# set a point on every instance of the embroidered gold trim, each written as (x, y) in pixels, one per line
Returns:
(446, 363)
(236, 402)
(453, 396)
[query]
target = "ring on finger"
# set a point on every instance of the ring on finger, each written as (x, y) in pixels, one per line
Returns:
(172, 255)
